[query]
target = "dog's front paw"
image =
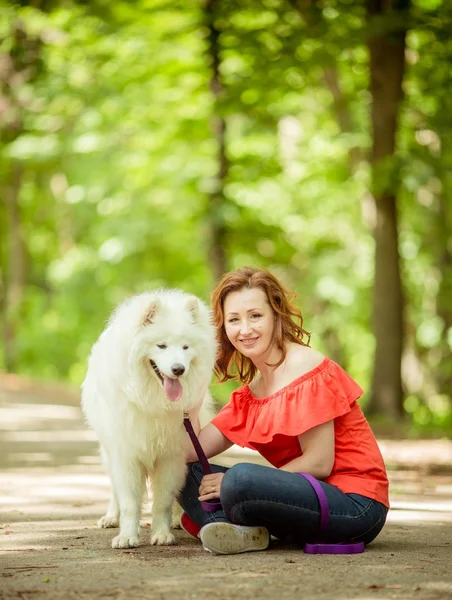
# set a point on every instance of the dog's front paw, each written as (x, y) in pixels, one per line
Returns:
(163, 538)
(124, 541)
(108, 521)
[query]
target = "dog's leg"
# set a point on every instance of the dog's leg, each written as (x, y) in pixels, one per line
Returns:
(129, 484)
(176, 515)
(167, 478)
(111, 519)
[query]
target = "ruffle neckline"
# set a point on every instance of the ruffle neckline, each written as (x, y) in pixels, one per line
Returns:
(322, 394)
(246, 390)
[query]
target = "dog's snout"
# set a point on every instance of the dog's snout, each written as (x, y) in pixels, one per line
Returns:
(178, 370)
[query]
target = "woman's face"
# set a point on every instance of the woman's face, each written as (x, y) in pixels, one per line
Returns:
(249, 322)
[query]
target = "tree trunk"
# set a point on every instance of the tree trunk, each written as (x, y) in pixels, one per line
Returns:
(343, 114)
(387, 65)
(14, 268)
(21, 65)
(444, 297)
(217, 225)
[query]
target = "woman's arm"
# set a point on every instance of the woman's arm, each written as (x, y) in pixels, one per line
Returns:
(212, 441)
(317, 445)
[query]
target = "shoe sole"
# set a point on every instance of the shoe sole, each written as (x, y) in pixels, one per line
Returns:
(225, 538)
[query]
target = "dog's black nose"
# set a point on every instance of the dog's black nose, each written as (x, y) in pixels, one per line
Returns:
(178, 370)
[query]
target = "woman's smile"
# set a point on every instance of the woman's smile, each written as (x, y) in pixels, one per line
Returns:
(249, 341)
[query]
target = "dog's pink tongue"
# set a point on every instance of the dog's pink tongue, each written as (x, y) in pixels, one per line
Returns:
(173, 388)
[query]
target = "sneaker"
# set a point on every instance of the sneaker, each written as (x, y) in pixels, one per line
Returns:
(189, 526)
(226, 538)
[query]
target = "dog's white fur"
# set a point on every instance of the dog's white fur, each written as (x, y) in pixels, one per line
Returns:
(140, 430)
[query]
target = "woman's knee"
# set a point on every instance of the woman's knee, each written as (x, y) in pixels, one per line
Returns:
(375, 528)
(236, 484)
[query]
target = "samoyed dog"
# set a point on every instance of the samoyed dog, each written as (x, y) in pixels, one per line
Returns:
(152, 364)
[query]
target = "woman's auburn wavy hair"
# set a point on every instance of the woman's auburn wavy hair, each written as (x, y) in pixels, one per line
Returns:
(286, 327)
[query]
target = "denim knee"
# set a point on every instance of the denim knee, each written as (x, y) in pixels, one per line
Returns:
(235, 486)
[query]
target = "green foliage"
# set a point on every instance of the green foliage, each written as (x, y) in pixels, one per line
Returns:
(113, 134)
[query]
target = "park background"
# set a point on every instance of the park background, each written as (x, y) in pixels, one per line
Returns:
(152, 143)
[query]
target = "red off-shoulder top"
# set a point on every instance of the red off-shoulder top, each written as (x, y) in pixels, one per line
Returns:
(271, 425)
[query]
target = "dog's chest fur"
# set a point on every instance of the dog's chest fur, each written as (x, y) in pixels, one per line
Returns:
(150, 436)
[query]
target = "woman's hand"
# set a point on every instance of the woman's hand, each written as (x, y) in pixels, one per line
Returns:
(210, 486)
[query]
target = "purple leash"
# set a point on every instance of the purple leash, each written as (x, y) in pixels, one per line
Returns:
(321, 547)
(208, 505)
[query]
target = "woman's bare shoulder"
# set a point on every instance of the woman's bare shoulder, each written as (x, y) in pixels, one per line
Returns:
(302, 359)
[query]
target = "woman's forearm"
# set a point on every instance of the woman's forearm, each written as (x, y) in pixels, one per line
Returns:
(317, 467)
(317, 446)
(212, 442)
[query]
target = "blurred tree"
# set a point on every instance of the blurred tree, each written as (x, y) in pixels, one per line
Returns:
(217, 200)
(387, 34)
(426, 232)
(385, 30)
(21, 65)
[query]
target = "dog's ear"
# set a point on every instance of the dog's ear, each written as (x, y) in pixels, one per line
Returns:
(153, 308)
(192, 306)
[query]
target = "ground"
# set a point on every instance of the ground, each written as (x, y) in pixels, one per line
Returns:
(53, 488)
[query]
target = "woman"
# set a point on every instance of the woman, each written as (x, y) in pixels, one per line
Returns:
(299, 410)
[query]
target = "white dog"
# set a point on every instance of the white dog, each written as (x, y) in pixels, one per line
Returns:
(152, 364)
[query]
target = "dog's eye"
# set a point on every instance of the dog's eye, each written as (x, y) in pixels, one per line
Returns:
(185, 347)
(161, 346)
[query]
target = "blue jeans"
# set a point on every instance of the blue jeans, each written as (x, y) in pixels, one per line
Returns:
(285, 503)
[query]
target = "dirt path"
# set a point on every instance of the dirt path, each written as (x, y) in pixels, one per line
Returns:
(53, 488)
